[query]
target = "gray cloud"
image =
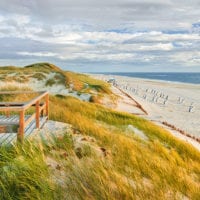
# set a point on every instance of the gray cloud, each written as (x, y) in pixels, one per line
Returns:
(110, 13)
(95, 33)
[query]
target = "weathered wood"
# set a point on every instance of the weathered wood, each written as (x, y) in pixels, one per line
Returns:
(11, 108)
(30, 119)
(42, 107)
(25, 122)
(20, 135)
(12, 103)
(9, 123)
(41, 104)
(2, 129)
(47, 105)
(8, 138)
(7, 113)
(37, 116)
(33, 101)
(43, 121)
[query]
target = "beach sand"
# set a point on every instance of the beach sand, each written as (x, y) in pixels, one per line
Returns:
(177, 105)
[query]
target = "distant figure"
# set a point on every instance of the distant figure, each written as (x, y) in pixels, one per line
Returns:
(153, 98)
(164, 102)
(182, 100)
(190, 107)
(157, 99)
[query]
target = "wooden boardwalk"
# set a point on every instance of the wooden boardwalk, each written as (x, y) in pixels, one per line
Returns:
(10, 138)
(15, 124)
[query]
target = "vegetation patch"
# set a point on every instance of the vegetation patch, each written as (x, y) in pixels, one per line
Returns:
(60, 78)
(82, 81)
(50, 82)
(39, 76)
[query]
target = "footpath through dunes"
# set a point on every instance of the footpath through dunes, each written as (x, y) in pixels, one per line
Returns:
(89, 151)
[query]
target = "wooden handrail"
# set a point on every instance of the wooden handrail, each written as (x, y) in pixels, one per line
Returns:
(33, 101)
(23, 106)
(12, 104)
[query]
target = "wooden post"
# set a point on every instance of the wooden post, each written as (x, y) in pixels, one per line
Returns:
(20, 134)
(47, 105)
(7, 113)
(37, 116)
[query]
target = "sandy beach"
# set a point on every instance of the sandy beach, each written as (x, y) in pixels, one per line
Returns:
(177, 105)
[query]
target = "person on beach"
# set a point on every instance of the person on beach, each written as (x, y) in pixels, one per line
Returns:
(144, 96)
(190, 107)
(165, 101)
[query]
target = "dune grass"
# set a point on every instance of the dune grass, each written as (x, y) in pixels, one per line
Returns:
(23, 97)
(39, 76)
(159, 167)
(24, 173)
(83, 81)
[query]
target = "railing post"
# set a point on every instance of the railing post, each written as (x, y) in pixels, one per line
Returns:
(47, 105)
(37, 107)
(20, 134)
(7, 113)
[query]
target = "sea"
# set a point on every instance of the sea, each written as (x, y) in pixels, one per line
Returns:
(186, 77)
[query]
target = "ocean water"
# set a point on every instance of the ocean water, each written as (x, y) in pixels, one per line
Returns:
(193, 78)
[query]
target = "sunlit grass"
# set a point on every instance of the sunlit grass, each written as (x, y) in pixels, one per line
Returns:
(83, 81)
(164, 163)
(160, 167)
(24, 173)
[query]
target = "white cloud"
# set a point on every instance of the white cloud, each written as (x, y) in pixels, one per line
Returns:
(129, 31)
(158, 47)
(187, 58)
(38, 54)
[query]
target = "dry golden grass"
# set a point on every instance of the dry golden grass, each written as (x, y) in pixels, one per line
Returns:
(23, 97)
(160, 167)
(82, 81)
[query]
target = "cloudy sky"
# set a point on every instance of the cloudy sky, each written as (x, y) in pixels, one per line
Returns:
(94, 35)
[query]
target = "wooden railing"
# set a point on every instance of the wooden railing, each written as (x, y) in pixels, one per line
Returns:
(40, 102)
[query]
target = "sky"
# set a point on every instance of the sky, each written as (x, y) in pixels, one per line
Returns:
(102, 36)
